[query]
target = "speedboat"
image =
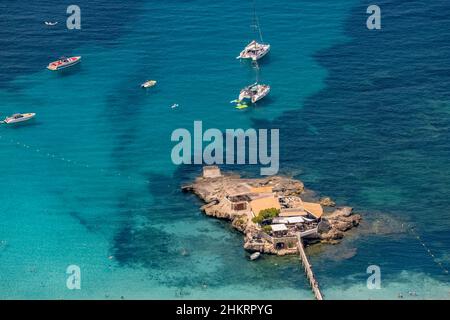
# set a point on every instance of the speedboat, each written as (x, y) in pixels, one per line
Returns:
(48, 23)
(254, 92)
(63, 63)
(254, 51)
(148, 84)
(19, 117)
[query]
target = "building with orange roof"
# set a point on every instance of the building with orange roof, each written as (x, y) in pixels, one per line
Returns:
(260, 204)
(314, 209)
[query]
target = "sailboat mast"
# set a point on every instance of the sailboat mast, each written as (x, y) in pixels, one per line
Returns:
(256, 21)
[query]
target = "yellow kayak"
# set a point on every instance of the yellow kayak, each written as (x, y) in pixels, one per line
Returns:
(241, 106)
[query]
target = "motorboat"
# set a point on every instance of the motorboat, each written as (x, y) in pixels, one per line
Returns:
(254, 51)
(254, 92)
(148, 84)
(63, 63)
(19, 117)
(49, 23)
(255, 255)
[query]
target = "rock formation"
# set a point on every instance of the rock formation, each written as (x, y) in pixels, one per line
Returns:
(216, 191)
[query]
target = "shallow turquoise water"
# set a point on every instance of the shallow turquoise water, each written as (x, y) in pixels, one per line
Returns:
(90, 182)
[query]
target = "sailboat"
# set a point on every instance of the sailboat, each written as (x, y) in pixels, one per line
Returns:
(255, 50)
(254, 92)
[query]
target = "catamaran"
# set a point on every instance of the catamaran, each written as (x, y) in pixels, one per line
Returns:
(19, 117)
(63, 63)
(254, 92)
(255, 50)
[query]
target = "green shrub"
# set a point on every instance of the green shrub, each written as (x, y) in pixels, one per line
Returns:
(266, 214)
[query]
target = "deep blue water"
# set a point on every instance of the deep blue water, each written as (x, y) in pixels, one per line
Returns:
(363, 117)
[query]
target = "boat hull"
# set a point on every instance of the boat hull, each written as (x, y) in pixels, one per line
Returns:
(262, 95)
(246, 93)
(148, 84)
(265, 48)
(26, 117)
(263, 54)
(59, 65)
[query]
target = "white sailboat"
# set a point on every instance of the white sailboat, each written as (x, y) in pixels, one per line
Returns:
(255, 50)
(254, 92)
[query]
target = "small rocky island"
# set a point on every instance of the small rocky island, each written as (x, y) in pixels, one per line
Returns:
(273, 213)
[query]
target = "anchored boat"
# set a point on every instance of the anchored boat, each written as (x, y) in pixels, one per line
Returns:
(148, 84)
(254, 92)
(63, 63)
(255, 50)
(255, 256)
(19, 117)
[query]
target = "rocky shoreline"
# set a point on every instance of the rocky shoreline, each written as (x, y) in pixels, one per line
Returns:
(239, 200)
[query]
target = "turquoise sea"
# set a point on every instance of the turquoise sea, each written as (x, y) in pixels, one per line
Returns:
(364, 117)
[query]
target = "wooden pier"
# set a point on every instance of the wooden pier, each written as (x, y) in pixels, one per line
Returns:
(308, 270)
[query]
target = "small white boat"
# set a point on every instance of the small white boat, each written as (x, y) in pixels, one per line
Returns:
(254, 51)
(254, 92)
(255, 255)
(63, 63)
(48, 23)
(19, 117)
(148, 84)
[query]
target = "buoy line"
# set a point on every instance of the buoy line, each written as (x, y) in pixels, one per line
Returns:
(69, 161)
(413, 231)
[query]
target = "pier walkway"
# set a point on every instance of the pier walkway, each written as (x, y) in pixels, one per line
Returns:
(308, 270)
